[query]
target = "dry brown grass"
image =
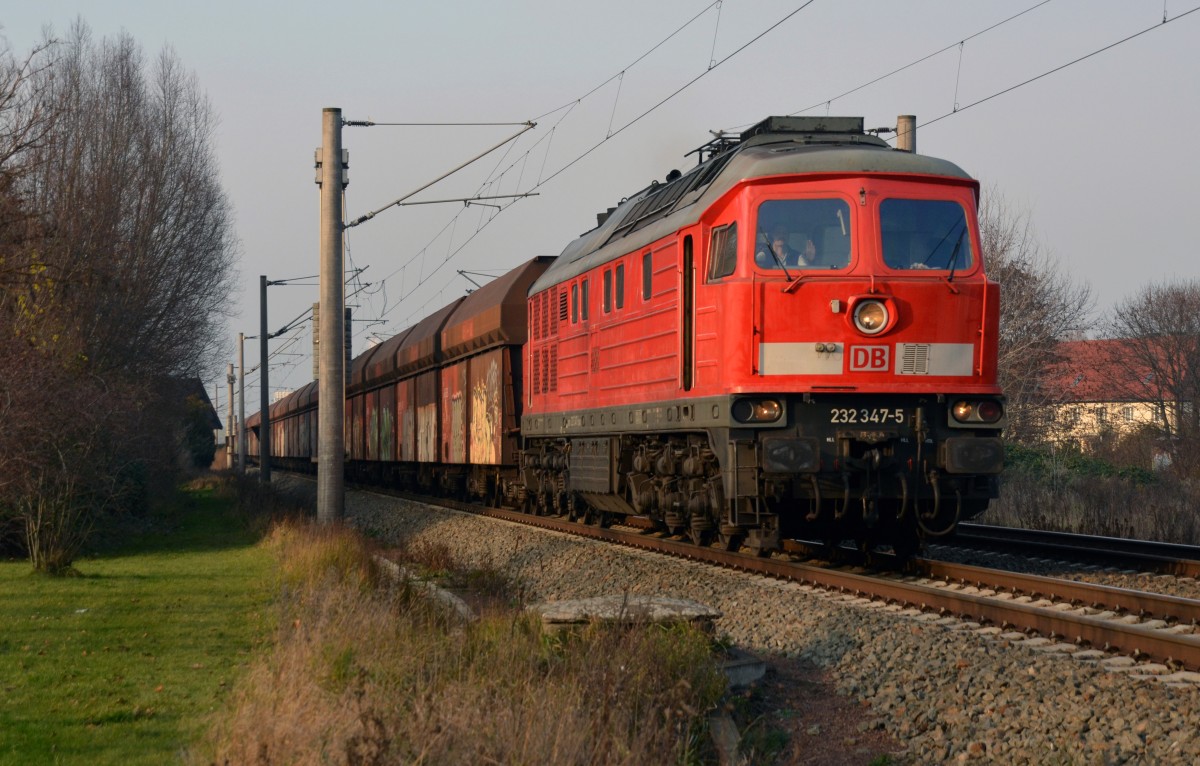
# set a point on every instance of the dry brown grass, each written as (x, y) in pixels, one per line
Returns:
(367, 672)
(1167, 509)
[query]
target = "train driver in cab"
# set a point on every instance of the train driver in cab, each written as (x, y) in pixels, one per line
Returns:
(778, 250)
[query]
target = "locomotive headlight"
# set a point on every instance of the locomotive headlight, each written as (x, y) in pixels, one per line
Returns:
(756, 410)
(870, 317)
(963, 411)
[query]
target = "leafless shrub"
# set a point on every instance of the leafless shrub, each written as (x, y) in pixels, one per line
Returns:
(1112, 506)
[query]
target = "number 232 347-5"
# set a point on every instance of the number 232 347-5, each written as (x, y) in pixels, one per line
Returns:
(860, 415)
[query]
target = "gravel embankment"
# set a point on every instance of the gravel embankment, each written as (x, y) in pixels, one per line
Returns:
(947, 693)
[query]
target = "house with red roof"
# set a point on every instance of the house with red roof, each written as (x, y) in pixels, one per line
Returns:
(1104, 388)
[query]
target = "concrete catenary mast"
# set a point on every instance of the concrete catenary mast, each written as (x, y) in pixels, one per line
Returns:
(331, 391)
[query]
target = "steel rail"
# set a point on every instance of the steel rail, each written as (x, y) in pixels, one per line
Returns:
(1137, 602)
(1169, 558)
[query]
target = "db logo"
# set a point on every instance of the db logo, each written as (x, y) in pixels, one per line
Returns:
(868, 358)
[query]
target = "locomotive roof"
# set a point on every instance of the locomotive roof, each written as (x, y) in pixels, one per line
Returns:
(775, 146)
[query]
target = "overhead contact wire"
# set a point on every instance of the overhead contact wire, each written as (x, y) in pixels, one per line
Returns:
(1049, 72)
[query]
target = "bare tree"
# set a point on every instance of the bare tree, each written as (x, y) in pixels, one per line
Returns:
(1160, 362)
(1039, 307)
(26, 112)
(140, 242)
(116, 251)
(27, 115)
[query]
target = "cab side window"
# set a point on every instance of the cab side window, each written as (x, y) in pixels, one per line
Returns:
(722, 257)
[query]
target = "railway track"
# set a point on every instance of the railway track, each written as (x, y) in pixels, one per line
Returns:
(1146, 626)
(1145, 555)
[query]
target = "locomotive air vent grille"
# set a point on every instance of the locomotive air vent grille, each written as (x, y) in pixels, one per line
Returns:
(552, 372)
(552, 297)
(562, 306)
(536, 372)
(545, 314)
(914, 359)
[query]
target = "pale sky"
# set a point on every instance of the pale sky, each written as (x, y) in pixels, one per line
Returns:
(1100, 154)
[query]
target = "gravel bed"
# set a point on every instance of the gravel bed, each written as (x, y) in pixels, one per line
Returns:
(947, 693)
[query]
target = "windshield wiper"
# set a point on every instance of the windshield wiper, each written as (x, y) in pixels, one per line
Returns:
(771, 250)
(954, 255)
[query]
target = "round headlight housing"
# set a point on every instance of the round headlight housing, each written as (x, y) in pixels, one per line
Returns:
(756, 410)
(871, 317)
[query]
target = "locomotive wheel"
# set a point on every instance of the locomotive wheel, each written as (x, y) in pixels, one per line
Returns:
(906, 542)
(756, 545)
(730, 537)
(598, 518)
(831, 548)
(866, 546)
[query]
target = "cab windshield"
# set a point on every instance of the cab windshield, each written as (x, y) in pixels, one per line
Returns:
(925, 234)
(802, 234)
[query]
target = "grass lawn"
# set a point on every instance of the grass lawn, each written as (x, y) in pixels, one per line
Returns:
(124, 663)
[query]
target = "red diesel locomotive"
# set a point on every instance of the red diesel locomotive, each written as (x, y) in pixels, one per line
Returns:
(796, 338)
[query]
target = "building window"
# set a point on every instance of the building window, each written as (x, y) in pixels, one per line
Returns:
(1101, 415)
(1127, 414)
